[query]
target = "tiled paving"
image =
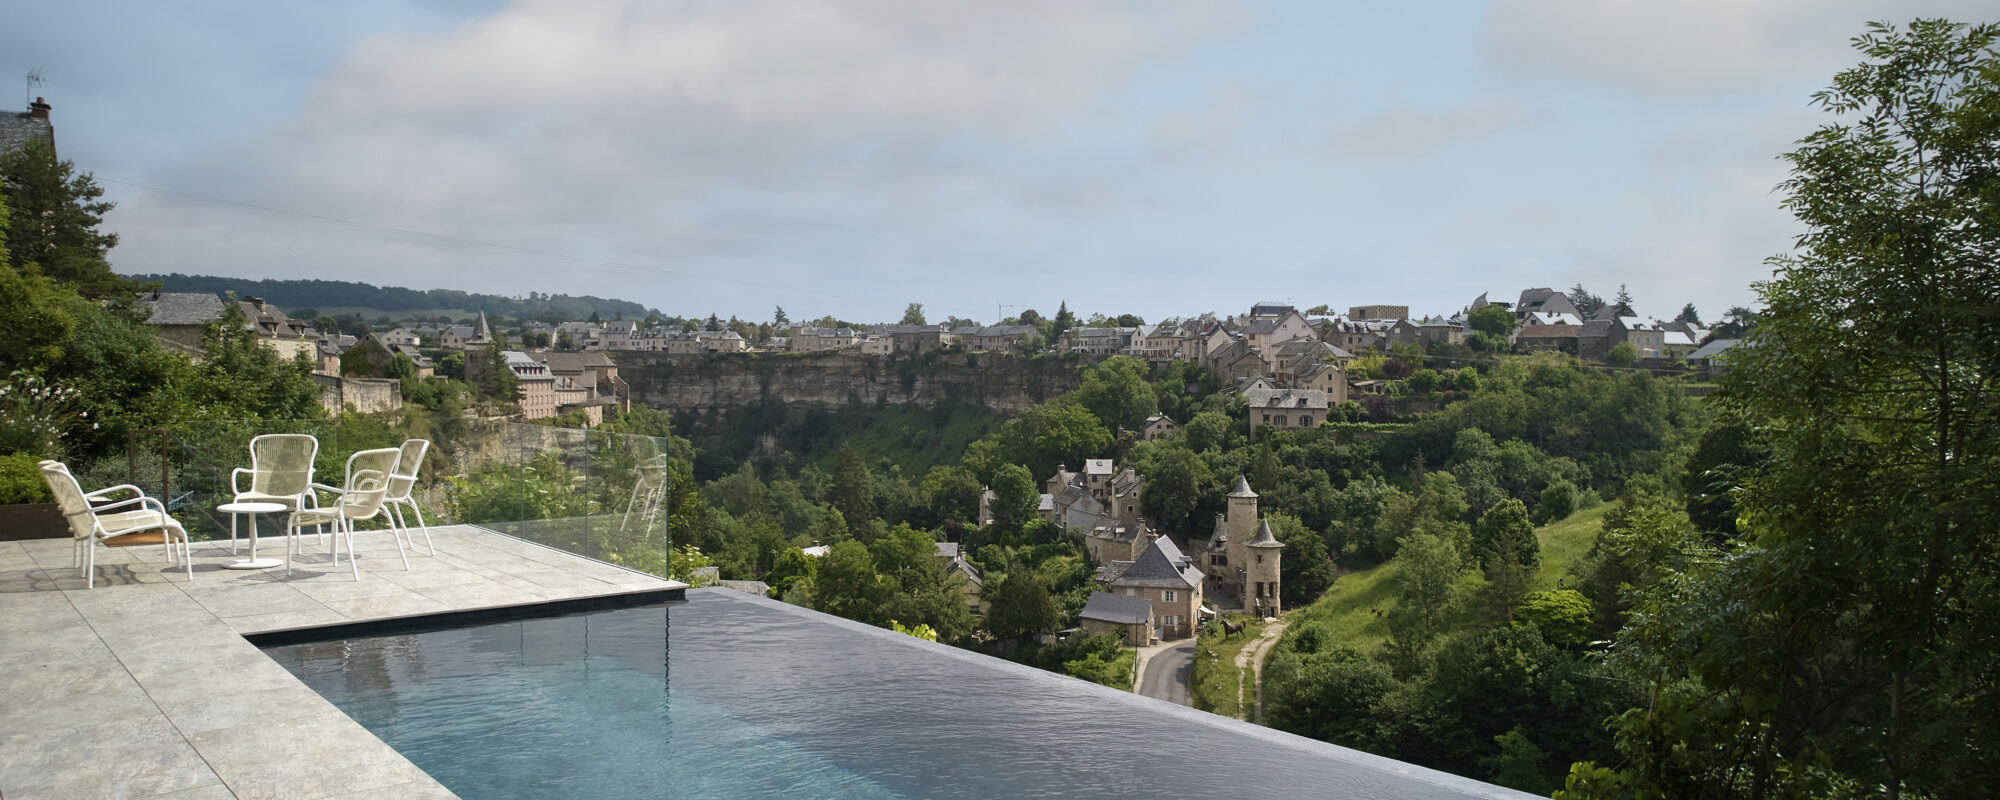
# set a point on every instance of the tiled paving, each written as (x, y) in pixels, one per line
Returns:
(144, 686)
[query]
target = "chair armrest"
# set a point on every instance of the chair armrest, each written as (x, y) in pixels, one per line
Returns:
(233, 488)
(325, 488)
(120, 487)
(139, 501)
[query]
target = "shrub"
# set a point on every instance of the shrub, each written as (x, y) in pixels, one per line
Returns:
(21, 480)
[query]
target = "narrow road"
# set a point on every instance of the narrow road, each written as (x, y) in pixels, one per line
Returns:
(1167, 674)
(1250, 660)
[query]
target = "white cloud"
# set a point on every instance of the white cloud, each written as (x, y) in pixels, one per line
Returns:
(683, 132)
(1693, 46)
(1413, 133)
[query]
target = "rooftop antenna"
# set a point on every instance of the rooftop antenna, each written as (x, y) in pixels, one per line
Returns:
(1000, 311)
(34, 82)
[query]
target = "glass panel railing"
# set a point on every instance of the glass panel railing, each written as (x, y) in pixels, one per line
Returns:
(596, 494)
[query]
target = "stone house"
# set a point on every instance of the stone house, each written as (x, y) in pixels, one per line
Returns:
(1158, 426)
(1241, 557)
(1130, 618)
(289, 337)
(997, 338)
(181, 317)
(1378, 312)
(19, 128)
(1161, 344)
(1237, 361)
(1103, 341)
(1538, 338)
(399, 336)
(914, 338)
(1544, 299)
(1265, 333)
(1326, 376)
(1270, 308)
(1289, 409)
(1167, 578)
(1440, 329)
(1713, 358)
(1356, 335)
(960, 571)
(535, 386)
(591, 369)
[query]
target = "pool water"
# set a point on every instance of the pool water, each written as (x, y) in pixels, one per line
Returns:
(727, 695)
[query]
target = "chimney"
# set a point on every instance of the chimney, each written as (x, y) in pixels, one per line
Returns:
(39, 109)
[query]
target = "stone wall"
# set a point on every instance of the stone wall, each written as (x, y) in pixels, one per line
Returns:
(1003, 383)
(367, 395)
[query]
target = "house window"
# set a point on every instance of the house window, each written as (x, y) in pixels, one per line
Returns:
(1267, 419)
(1281, 420)
(1131, 592)
(1167, 595)
(1305, 420)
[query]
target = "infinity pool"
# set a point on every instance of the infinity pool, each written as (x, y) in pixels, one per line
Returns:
(728, 695)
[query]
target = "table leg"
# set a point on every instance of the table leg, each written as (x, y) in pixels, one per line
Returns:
(253, 562)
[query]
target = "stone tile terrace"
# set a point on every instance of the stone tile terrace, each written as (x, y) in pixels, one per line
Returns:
(144, 686)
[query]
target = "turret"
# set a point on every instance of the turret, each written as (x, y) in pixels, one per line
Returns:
(1242, 526)
(1260, 588)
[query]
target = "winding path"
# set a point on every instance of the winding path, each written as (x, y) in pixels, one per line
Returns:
(1250, 660)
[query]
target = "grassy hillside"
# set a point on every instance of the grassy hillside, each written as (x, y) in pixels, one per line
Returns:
(1347, 611)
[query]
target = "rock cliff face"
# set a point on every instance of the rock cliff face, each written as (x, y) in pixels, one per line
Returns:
(1005, 384)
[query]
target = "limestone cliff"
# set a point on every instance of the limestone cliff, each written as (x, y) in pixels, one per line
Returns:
(1002, 383)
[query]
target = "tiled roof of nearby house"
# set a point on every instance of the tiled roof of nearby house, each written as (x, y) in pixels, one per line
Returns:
(1535, 318)
(1543, 299)
(18, 127)
(1548, 332)
(1264, 537)
(1118, 609)
(947, 549)
(960, 566)
(182, 308)
(1676, 339)
(1046, 504)
(1713, 349)
(1161, 564)
(1097, 466)
(1285, 398)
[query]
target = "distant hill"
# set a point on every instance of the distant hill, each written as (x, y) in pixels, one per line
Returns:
(398, 301)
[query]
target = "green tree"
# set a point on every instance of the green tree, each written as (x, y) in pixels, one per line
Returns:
(1622, 354)
(1850, 644)
(950, 493)
(914, 314)
(1305, 572)
(1495, 320)
(1119, 393)
(1689, 315)
(1020, 606)
(1622, 303)
(1563, 615)
(1586, 303)
(1176, 483)
(846, 585)
(1505, 534)
(55, 219)
(1064, 322)
(1014, 496)
(1556, 502)
(853, 491)
(1427, 569)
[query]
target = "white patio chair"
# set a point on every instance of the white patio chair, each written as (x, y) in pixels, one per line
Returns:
(404, 481)
(281, 466)
(360, 498)
(103, 523)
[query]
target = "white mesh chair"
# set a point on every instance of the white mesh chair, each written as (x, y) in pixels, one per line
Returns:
(360, 498)
(281, 466)
(404, 481)
(145, 523)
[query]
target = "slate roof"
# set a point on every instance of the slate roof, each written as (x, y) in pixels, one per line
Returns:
(1596, 329)
(1161, 565)
(1242, 488)
(947, 549)
(1286, 398)
(1118, 609)
(18, 127)
(1548, 332)
(570, 363)
(182, 308)
(1097, 466)
(1713, 349)
(1221, 533)
(1544, 299)
(1264, 537)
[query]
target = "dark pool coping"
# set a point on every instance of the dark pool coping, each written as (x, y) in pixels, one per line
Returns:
(459, 618)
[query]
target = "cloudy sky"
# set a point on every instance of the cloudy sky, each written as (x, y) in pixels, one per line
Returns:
(846, 157)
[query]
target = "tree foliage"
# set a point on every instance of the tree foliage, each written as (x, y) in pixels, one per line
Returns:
(1850, 644)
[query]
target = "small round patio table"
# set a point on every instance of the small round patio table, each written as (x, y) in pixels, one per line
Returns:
(252, 510)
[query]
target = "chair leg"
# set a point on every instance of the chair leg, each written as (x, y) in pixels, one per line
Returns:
(423, 526)
(352, 562)
(90, 568)
(397, 534)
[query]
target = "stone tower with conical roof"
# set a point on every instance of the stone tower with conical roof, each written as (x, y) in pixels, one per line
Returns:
(1260, 579)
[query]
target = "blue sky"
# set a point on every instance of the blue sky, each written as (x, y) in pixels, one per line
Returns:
(1161, 158)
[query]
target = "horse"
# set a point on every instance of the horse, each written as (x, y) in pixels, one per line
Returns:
(1231, 628)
